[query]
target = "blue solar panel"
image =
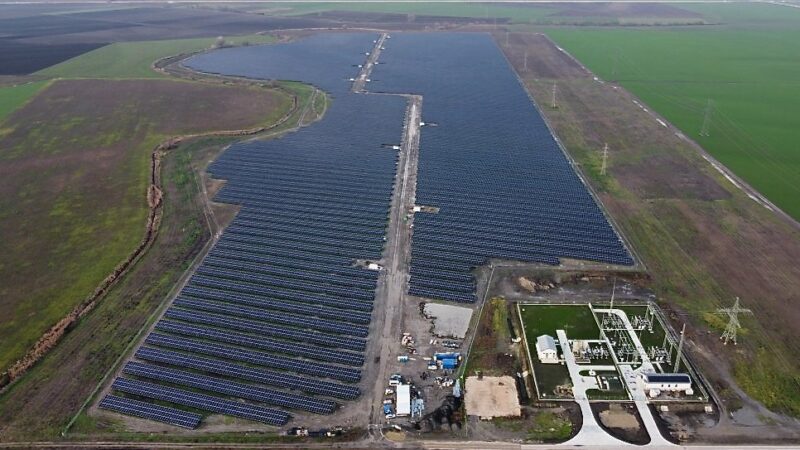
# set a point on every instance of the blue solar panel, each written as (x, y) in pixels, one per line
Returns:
(150, 411)
(267, 377)
(200, 401)
(228, 387)
(260, 358)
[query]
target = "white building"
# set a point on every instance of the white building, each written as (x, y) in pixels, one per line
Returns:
(655, 383)
(546, 349)
(403, 400)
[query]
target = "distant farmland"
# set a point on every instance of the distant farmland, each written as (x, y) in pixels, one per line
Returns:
(749, 71)
(135, 59)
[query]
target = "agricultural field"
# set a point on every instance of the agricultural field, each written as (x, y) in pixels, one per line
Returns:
(517, 14)
(13, 97)
(83, 222)
(134, 59)
(748, 67)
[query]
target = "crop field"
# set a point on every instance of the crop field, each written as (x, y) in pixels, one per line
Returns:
(552, 13)
(17, 58)
(12, 97)
(134, 59)
(78, 224)
(749, 68)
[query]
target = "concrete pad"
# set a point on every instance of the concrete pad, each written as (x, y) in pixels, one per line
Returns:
(492, 397)
(449, 320)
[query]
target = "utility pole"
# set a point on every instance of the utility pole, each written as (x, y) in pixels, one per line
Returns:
(525, 62)
(680, 349)
(733, 321)
(605, 160)
(507, 33)
(704, 131)
(553, 104)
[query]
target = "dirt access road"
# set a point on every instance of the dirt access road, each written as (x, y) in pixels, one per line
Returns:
(390, 300)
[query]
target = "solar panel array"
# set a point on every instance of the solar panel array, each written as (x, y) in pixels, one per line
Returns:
(503, 187)
(276, 317)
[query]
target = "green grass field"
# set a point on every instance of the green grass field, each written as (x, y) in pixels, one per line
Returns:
(576, 320)
(12, 97)
(134, 59)
(749, 68)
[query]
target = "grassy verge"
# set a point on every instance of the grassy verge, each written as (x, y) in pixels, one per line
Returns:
(542, 426)
(134, 59)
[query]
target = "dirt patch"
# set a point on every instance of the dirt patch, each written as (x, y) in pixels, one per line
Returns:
(618, 418)
(490, 397)
(449, 320)
(622, 421)
(663, 176)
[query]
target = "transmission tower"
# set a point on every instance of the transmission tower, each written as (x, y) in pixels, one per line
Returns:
(605, 160)
(733, 321)
(704, 131)
(553, 103)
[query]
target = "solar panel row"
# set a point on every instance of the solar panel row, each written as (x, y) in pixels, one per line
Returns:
(262, 376)
(150, 411)
(200, 401)
(229, 387)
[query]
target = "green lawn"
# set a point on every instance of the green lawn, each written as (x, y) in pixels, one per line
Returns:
(576, 320)
(12, 97)
(749, 68)
(134, 59)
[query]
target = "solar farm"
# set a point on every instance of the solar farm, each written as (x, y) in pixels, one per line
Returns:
(503, 188)
(276, 321)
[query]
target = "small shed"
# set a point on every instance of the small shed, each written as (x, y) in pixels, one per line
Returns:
(546, 349)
